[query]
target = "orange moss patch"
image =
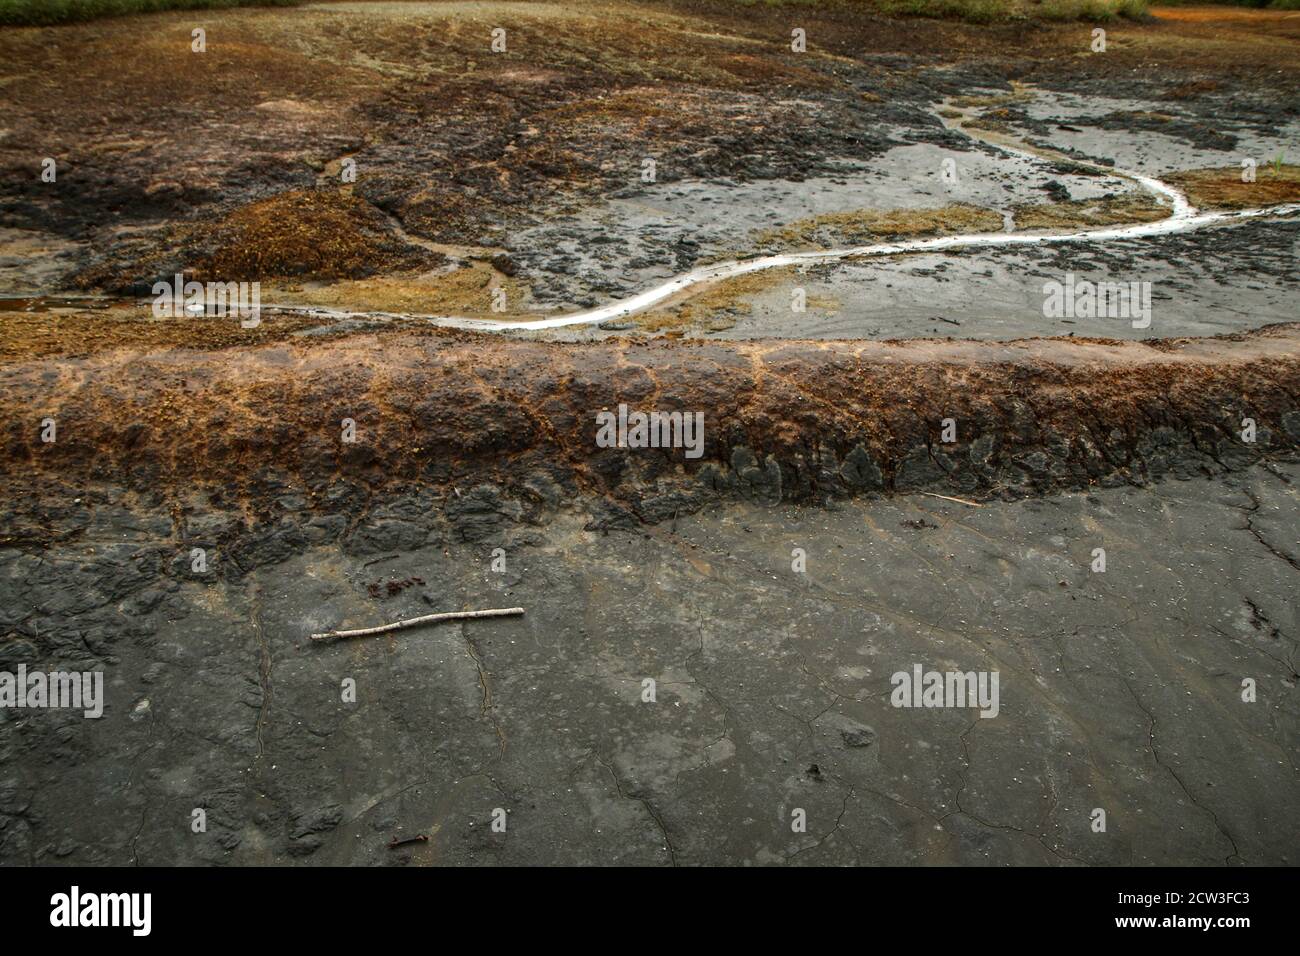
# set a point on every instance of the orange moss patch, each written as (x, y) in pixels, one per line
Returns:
(302, 233)
(71, 334)
(1090, 212)
(1223, 188)
(862, 226)
(991, 125)
(467, 290)
(716, 308)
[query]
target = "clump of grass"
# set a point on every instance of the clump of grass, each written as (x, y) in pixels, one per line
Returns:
(464, 290)
(997, 11)
(1275, 182)
(717, 307)
(984, 123)
(863, 226)
(1191, 89)
(972, 11)
(51, 12)
(1258, 4)
(324, 235)
(1109, 211)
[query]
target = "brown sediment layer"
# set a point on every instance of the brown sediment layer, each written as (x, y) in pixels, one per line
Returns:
(784, 420)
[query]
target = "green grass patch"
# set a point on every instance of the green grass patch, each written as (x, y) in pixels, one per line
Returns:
(987, 11)
(1257, 4)
(1001, 11)
(49, 12)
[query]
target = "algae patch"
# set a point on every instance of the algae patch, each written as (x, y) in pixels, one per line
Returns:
(1108, 211)
(864, 226)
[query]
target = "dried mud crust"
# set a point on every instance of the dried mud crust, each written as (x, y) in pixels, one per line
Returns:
(784, 420)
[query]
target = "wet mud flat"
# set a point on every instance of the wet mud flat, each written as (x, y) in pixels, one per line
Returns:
(624, 244)
(1203, 283)
(1118, 690)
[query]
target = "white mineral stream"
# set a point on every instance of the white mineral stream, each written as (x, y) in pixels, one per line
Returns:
(1183, 218)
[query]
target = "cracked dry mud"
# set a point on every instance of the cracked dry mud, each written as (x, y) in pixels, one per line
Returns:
(1119, 690)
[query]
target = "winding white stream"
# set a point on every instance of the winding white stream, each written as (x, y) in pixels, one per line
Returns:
(1184, 218)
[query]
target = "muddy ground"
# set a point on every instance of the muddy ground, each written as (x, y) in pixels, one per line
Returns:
(524, 169)
(475, 479)
(1118, 690)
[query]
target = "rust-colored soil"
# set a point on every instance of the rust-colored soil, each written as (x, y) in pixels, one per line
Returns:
(1224, 189)
(67, 334)
(324, 234)
(454, 408)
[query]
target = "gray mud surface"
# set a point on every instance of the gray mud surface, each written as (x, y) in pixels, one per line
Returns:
(1205, 283)
(1119, 690)
(1221, 280)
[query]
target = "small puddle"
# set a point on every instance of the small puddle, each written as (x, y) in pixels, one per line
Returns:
(60, 303)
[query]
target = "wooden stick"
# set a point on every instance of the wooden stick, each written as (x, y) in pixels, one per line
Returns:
(960, 501)
(412, 622)
(394, 843)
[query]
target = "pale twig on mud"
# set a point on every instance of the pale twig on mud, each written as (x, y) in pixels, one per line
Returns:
(960, 501)
(426, 619)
